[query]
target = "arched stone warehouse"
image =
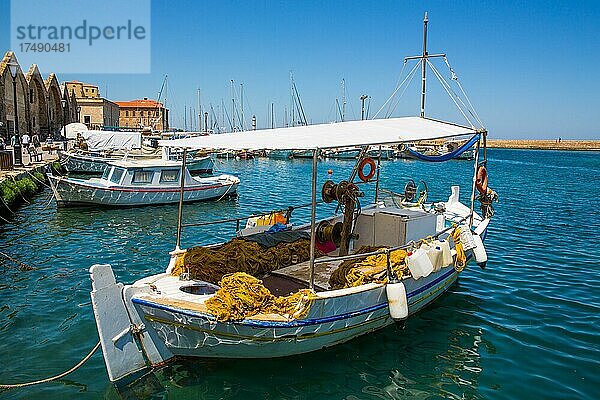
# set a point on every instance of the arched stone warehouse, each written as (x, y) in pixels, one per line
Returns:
(38, 103)
(7, 112)
(55, 111)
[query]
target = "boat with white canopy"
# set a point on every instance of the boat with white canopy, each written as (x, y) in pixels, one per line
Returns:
(103, 147)
(300, 287)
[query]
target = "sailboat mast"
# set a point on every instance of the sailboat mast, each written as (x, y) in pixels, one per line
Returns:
(242, 105)
(232, 107)
(199, 113)
(423, 62)
(343, 99)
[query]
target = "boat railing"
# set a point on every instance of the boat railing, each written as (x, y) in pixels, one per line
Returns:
(245, 217)
(387, 251)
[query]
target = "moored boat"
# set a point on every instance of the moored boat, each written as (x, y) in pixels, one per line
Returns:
(135, 183)
(344, 276)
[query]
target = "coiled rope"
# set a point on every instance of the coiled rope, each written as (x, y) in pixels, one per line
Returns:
(53, 378)
(461, 258)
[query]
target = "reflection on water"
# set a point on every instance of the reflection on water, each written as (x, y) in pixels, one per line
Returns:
(527, 324)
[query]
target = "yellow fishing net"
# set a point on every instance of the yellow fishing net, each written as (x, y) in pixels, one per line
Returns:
(369, 269)
(242, 296)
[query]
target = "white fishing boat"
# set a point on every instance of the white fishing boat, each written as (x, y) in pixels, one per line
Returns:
(350, 153)
(386, 153)
(142, 182)
(349, 274)
(283, 154)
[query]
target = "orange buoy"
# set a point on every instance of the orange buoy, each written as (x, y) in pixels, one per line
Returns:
(329, 171)
(481, 182)
(361, 169)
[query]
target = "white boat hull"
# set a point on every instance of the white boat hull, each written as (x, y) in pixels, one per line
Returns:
(68, 191)
(332, 320)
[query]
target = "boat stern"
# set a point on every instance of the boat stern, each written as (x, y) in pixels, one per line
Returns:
(128, 346)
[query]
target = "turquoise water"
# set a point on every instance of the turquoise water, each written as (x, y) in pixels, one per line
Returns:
(526, 327)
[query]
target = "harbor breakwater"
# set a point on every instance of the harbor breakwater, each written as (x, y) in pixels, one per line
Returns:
(548, 144)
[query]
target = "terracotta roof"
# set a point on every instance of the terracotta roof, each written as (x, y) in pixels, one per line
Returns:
(140, 103)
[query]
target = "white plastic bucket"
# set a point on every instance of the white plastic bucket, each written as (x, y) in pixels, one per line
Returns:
(419, 264)
(446, 253)
(436, 256)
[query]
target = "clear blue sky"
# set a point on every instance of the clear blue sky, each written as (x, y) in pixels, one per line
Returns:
(530, 67)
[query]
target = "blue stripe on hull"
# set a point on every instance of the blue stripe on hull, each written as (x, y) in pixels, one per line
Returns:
(297, 323)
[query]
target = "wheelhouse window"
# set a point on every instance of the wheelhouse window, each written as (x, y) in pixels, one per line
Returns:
(116, 175)
(169, 175)
(141, 176)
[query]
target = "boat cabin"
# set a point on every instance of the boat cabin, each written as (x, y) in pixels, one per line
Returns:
(145, 173)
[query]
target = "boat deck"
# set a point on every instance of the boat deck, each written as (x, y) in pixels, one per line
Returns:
(301, 273)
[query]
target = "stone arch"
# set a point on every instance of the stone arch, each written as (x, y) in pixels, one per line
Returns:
(7, 112)
(55, 109)
(38, 103)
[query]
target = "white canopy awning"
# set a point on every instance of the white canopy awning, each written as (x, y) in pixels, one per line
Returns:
(325, 136)
(109, 140)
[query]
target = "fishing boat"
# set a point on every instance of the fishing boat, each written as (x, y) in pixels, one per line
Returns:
(284, 154)
(303, 154)
(142, 182)
(386, 153)
(345, 275)
(350, 153)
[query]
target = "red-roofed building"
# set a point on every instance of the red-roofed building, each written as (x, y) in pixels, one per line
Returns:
(143, 113)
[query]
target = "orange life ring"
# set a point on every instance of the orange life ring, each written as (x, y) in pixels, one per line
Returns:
(361, 169)
(481, 183)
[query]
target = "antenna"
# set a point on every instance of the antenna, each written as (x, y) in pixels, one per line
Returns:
(424, 57)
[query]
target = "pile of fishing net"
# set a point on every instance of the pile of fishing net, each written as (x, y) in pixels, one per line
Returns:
(210, 264)
(373, 268)
(242, 296)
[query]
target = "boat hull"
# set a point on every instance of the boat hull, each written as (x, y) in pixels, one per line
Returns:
(72, 192)
(331, 320)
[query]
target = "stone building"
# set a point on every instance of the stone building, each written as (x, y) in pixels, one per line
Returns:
(56, 115)
(144, 113)
(94, 111)
(43, 107)
(38, 103)
(7, 101)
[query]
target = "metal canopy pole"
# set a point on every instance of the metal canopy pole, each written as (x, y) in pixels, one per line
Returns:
(475, 168)
(313, 213)
(181, 193)
(423, 61)
(377, 182)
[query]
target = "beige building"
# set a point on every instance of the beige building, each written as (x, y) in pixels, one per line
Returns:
(42, 107)
(94, 111)
(139, 114)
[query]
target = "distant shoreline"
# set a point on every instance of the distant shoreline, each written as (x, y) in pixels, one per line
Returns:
(550, 144)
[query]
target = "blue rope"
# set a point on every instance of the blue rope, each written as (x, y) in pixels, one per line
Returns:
(447, 156)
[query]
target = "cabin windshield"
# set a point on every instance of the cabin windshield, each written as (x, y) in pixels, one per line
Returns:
(106, 172)
(116, 175)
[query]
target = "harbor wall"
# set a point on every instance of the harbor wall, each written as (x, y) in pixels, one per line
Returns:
(551, 144)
